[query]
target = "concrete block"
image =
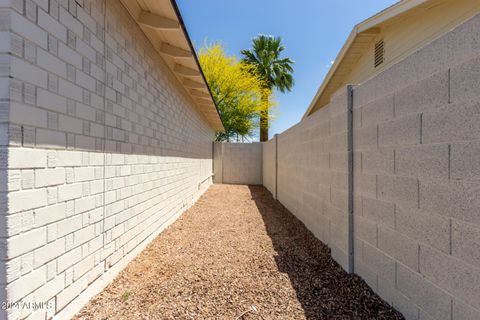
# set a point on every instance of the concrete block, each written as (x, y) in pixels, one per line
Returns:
(462, 311)
(51, 101)
(379, 211)
(49, 177)
(430, 161)
(69, 259)
(466, 241)
(50, 139)
(68, 89)
(338, 161)
(29, 73)
(70, 293)
(365, 230)
(49, 291)
(26, 115)
(26, 200)
(26, 284)
(52, 26)
(421, 95)
(367, 274)
(431, 299)
(338, 123)
(50, 214)
(400, 302)
(465, 161)
(378, 161)
(70, 192)
(70, 56)
(455, 122)
(51, 63)
(451, 274)
(84, 235)
(379, 262)
(365, 184)
(26, 242)
(83, 267)
(337, 142)
(23, 158)
(28, 30)
(48, 252)
(400, 131)
(69, 158)
(397, 189)
(398, 246)
(377, 111)
(464, 81)
(456, 199)
(363, 93)
(84, 174)
(426, 227)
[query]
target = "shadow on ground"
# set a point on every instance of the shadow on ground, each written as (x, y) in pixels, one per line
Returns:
(323, 289)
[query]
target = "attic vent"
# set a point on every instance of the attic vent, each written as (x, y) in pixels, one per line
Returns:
(379, 53)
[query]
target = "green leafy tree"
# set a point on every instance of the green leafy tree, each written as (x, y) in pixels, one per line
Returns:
(276, 71)
(237, 90)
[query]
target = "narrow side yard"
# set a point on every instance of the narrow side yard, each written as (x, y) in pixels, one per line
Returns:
(236, 251)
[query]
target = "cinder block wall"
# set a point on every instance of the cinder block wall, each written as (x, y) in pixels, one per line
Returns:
(238, 163)
(101, 149)
(416, 184)
(416, 178)
(312, 180)
(269, 165)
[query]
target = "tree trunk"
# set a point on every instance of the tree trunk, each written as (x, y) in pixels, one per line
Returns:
(264, 121)
(263, 127)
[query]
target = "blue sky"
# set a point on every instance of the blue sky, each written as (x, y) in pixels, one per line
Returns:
(313, 32)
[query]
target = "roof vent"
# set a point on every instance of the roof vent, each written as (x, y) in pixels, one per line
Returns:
(379, 53)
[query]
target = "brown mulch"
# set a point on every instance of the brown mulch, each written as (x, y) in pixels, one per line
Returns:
(236, 251)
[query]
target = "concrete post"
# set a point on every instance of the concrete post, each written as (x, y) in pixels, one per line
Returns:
(350, 178)
(276, 167)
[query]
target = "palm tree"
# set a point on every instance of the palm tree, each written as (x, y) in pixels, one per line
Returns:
(275, 71)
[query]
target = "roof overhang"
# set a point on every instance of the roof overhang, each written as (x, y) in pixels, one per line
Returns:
(162, 23)
(351, 51)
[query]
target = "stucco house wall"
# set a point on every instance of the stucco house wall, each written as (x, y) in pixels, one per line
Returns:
(101, 148)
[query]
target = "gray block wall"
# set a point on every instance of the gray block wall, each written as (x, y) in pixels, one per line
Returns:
(417, 214)
(101, 149)
(269, 165)
(416, 187)
(312, 180)
(238, 163)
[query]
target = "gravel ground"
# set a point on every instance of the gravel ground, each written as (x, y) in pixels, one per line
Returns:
(236, 254)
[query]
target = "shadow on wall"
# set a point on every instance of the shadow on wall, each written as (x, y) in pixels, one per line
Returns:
(323, 288)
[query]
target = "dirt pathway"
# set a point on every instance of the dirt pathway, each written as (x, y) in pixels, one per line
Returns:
(235, 251)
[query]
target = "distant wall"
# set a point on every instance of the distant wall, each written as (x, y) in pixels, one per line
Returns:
(238, 163)
(415, 193)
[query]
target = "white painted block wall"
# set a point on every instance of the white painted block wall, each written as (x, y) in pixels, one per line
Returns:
(101, 149)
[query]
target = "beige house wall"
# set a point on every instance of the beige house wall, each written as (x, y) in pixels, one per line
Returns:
(101, 150)
(407, 33)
